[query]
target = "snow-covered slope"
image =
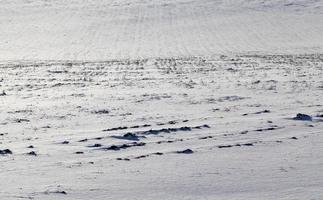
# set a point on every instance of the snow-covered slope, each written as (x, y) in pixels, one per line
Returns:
(161, 99)
(101, 30)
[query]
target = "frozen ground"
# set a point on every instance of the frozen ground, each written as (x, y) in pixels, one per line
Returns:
(150, 99)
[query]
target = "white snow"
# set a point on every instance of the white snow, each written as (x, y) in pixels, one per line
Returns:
(101, 30)
(223, 78)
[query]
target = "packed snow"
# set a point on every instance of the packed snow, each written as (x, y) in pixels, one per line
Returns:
(147, 99)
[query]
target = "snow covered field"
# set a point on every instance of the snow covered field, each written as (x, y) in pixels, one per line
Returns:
(144, 99)
(116, 129)
(110, 29)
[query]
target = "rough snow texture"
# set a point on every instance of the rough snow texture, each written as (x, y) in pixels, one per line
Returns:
(124, 129)
(161, 99)
(101, 29)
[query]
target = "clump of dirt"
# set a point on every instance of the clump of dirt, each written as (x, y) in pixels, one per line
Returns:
(5, 152)
(303, 117)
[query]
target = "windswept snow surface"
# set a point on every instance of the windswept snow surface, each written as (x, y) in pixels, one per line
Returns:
(122, 129)
(161, 99)
(101, 29)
